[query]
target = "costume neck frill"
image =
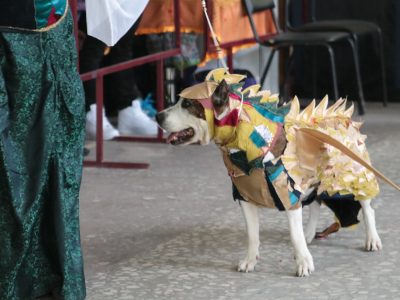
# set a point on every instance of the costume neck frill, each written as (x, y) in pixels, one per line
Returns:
(32, 15)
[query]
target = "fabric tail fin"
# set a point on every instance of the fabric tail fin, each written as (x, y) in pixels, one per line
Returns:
(324, 138)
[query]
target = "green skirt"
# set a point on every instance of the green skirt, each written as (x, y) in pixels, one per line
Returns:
(41, 145)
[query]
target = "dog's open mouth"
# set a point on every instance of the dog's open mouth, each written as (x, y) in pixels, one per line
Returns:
(180, 137)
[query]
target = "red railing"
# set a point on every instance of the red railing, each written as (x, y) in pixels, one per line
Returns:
(99, 74)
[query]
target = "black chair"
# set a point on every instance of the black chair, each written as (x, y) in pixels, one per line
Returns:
(288, 39)
(355, 28)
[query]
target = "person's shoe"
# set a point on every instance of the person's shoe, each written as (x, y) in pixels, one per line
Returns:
(133, 121)
(109, 132)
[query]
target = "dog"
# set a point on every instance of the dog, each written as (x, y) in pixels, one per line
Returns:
(220, 101)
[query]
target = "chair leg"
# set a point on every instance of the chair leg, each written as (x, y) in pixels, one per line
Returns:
(361, 101)
(289, 63)
(383, 73)
(314, 72)
(265, 72)
(333, 68)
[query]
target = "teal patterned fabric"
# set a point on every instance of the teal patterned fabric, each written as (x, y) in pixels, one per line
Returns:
(41, 145)
(43, 10)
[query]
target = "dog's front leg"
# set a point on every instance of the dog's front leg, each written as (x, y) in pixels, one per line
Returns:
(372, 242)
(311, 227)
(250, 212)
(304, 260)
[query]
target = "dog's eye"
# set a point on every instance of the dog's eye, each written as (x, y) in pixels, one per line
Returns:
(186, 103)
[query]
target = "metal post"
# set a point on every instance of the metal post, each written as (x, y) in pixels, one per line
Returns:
(160, 91)
(99, 118)
(229, 58)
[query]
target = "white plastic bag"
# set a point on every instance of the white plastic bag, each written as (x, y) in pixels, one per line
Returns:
(109, 20)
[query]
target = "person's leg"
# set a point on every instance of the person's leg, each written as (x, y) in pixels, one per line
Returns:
(90, 59)
(124, 91)
(122, 85)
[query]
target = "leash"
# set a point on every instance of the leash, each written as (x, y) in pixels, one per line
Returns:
(214, 37)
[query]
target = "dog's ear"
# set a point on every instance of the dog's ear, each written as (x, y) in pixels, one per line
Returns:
(220, 97)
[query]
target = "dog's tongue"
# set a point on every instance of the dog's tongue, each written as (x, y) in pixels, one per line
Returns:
(172, 136)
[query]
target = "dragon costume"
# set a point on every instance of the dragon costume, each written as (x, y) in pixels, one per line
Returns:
(317, 148)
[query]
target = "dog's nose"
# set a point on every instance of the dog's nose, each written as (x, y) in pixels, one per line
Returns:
(160, 118)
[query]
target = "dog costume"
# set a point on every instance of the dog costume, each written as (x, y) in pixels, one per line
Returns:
(310, 148)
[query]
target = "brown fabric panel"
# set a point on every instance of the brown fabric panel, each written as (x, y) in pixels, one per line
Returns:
(308, 150)
(280, 144)
(252, 187)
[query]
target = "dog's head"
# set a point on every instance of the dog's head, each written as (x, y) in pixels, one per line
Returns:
(187, 119)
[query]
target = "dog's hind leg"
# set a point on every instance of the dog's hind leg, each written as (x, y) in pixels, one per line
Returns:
(372, 241)
(311, 227)
(304, 260)
(250, 212)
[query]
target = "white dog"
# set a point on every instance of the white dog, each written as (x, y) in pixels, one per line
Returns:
(193, 120)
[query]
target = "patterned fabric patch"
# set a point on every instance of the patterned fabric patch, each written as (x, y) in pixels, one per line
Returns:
(277, 172)
(257, 139)
(269, 115)
(265, 133)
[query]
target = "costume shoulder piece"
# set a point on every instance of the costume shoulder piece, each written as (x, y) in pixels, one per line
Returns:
(31, 15)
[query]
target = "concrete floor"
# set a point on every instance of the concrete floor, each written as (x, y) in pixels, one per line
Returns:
(173, 231)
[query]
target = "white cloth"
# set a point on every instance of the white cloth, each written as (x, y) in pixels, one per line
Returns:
(109, 20)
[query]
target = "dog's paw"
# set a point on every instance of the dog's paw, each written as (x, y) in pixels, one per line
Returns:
(248, 264)
(373, 243)
(304, 264)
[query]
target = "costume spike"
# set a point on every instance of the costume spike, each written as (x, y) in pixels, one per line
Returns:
(267, 97)
(320, 110)
(341, 108)
(233, 78)
(273, 98)
(253, 90)
(306, 114)
(349, 112)
(331, 110)
(294, 109)
(357, 124)
(216, 75)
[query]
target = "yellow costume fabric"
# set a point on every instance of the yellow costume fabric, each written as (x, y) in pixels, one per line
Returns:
(251, 133)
